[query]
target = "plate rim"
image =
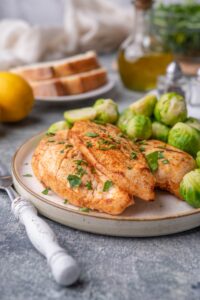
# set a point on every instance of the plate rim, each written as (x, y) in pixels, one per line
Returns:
(110, 84)
(91, 214)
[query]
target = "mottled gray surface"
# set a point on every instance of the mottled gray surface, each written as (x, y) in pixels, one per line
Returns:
(112, 268)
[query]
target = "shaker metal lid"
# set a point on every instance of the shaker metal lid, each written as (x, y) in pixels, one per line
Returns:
(174, 71)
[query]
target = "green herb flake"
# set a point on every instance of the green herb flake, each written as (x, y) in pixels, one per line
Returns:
(133, 155)
(84, 209)
(92, 134)
(160, 155)
(89, 185)
(46, 191)
(89, 145)
(152, 160)
(51, 141)
(27, 175)
(65, 201)
(61, 143)
(129, 167)
(93, 170)
(142, 142)
(81, 171)
(68, 146)
(50, 134)
(80, 162)
(99, 122)
(165, 161)
(62, 151)
(107, 185)
(74, 180)
(142, 148)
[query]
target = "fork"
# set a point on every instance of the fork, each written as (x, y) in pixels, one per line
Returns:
(64, 268)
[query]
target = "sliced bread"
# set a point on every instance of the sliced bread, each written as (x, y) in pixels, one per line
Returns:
(70, 85)
(66, 67)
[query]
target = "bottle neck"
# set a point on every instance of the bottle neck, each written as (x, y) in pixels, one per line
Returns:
(141, 24)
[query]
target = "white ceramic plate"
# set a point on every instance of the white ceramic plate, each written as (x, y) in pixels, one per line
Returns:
(166, 215)
(84, 96)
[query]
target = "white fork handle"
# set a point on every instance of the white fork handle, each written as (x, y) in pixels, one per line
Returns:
(64, 268)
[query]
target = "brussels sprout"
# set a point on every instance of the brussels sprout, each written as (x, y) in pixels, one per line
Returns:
(61, 125)
(139, 127)
(87, 113)
(160, 131)
(198, 159)
(184, 137)
(106, 110)
(193, 122)
(190, 188)
(144, 106)
(170, 109)
(124, 118)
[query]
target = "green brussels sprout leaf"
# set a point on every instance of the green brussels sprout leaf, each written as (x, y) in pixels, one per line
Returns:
(160, 131)
(87, 113)
(124, 118)
(190, 188)
(198, 159)
(170, 109)
(144, 106)
(193, 122)
(184, 137)
(60, 125)
(139, 127)
(106, 110)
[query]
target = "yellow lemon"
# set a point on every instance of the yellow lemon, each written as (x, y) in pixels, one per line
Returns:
(16, 97)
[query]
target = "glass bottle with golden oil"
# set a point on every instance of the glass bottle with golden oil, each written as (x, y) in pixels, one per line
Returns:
(141, 58)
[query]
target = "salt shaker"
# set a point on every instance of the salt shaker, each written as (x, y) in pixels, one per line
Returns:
(195, 90)
(174, 81)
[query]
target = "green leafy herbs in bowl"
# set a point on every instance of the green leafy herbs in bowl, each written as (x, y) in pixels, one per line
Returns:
(178, 26)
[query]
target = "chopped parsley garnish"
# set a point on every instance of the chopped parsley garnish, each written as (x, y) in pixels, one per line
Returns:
(81, 171)
(65, 201)
(81, 162)
(50, 133)
(129, 167)
(99, 122)
(27, 175)
(160, 155)
(165, 161)
(92, 134)
(89, 185)
(142, 148)
(162, 147)
(133, 155)
(51, 141)
(152, 160)
(46, 191)
(84, 209)
(61, 143)
(121, 135)
(74, 180)
(108, 147)
(107, 185)
(62, 151)
(89, 145)
(142, 142)
(68, 146)
(93, 170)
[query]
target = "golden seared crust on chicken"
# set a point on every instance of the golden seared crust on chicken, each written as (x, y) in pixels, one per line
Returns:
(115, 156)
(173, 164)
(60, 166)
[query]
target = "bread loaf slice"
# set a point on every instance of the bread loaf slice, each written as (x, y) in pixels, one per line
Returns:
(70, 85)
(66, 67)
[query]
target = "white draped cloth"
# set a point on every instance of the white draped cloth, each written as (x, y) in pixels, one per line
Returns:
(100, 25)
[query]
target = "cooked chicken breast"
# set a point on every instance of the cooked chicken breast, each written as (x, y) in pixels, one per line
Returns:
(173, 164)
(61, 167)
(115, 156)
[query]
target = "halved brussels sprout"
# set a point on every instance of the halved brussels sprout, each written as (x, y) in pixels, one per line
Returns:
(74, 115)
(171, 109)
(185, 138)
(106, 110)
(198, 159)
(124, 118)
(193, 122)
(160, 131)
(139, 127)
(190, 188)
(60, 125)
(144, 106)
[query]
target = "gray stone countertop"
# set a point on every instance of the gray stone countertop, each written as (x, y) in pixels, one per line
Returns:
(163, 268)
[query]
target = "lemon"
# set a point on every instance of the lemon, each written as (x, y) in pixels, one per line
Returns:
(16, 97)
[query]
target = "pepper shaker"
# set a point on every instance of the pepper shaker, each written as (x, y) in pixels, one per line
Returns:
(174, 81)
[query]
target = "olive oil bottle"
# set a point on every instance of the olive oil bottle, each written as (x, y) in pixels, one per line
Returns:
(141, 58)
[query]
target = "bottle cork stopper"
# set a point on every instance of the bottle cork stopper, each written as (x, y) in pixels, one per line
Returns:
(143, 4)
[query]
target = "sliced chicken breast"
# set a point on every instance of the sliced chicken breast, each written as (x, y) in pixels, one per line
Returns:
(61, 167)
(118, 158)
(173, 164)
